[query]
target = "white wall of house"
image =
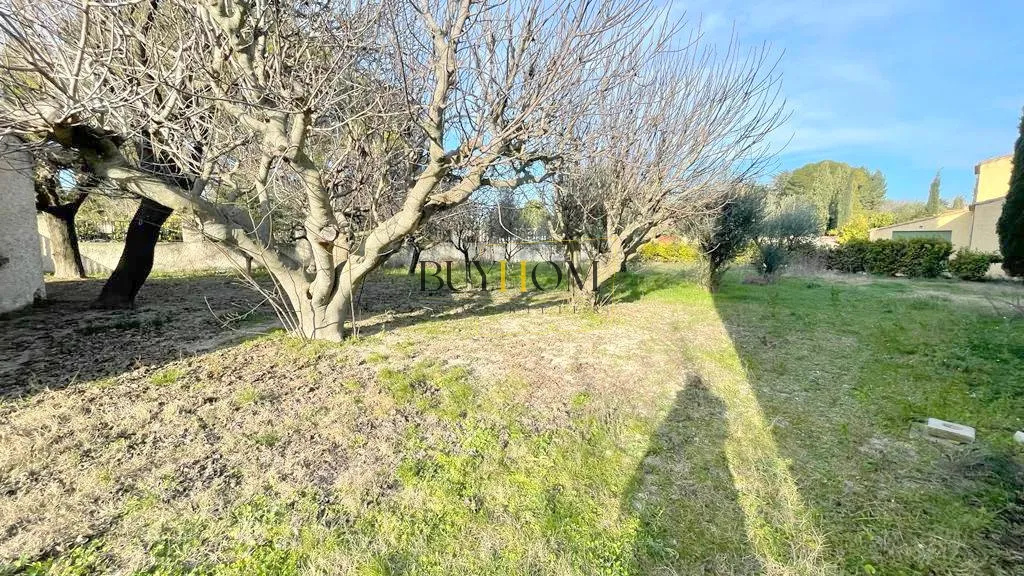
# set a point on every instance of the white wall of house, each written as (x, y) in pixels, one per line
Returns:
(21, 268)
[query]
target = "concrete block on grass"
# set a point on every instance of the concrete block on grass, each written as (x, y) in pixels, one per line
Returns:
(950, 430)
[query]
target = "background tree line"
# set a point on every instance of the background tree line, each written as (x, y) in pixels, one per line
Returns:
(850, 200)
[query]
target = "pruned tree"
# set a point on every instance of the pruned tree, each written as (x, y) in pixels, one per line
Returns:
(316, 137)
(575, 200)
(691, 124)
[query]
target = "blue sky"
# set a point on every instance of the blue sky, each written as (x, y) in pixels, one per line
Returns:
(904, 86)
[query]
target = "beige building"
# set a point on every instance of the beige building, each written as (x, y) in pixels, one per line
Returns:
(972, 227)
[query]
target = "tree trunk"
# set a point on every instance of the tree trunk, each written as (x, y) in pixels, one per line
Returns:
(469, 277)
(608, 264)
(67, 259)
(137, 257)
(572, 253)
(326, 322)
(414, 260)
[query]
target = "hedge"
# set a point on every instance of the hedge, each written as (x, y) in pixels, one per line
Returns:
(971, 264)
(914, 258)
(850, 256)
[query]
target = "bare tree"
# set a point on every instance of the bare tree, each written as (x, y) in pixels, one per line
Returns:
(506, 226)
(323, 129)
(663, 147)
(465, 227)
(424, 238)
(62, 185)
(575, 199)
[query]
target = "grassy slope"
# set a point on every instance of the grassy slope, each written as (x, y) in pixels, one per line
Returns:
(785, 445)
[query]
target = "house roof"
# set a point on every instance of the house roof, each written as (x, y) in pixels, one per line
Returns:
(964, 209)
(989, 201)
(990, 160)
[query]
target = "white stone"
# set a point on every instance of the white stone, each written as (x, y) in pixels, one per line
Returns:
(1019, 436)
(950, 430)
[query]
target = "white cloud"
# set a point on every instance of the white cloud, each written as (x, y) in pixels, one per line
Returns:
(805, 139)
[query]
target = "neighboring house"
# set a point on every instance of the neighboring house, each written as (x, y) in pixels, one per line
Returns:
(972, 227)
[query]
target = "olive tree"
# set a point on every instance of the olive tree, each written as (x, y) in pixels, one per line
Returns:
(786, 228)
(723, 233)
(788, 225)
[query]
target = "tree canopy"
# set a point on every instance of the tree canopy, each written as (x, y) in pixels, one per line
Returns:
(836, 189)
(318, 140)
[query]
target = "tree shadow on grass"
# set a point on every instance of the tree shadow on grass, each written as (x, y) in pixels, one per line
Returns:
(843, 371)
(644, 280)
(389, 300)
(393, 299)
(62, 340)
(690, 521)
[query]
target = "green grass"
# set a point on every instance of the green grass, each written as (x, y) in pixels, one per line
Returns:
(165, 377)
(790, 445)
(853, 370)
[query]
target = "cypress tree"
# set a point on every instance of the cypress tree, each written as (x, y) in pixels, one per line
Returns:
(846, 205)
(1011, 222)
(934, 201)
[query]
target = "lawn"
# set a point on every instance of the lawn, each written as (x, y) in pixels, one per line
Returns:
(764, 429)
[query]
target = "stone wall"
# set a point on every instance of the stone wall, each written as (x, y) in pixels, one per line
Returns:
(21, 272)
(198, 255)
(100, 258)
(531, 253)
